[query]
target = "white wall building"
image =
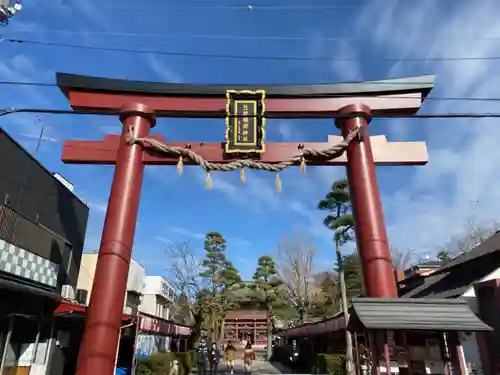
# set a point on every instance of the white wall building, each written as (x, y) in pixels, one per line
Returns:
(469, 341)
(460, 278)
(135, 282)
(158, 296)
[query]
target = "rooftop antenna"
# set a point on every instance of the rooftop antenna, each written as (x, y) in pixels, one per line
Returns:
(40, 137)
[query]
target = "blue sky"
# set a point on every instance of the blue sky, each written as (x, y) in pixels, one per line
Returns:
(424, 206)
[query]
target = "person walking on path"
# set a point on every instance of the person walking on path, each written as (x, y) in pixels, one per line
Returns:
(202, 357)
(248, 357)
(230, 356)
(214, 359)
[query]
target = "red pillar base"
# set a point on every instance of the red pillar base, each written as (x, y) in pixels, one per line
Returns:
(104, 315)
(371, 234)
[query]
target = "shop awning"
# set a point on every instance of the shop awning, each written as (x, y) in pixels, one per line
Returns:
(431, 314)
(162, 326)
(18, 286)
(68, 307)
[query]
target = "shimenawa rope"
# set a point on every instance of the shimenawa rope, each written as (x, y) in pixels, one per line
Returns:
(299, 158)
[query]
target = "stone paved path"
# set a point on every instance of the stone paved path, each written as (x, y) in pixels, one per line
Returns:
(258, 368)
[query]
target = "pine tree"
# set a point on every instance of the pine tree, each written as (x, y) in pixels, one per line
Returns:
(341, 221)
(266, 291)
(222, 279)
(340, 218)
(353, 274)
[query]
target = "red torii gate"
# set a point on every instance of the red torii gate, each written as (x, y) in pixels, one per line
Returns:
(139, 103)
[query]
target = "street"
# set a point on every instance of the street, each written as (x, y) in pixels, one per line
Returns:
(258, 368)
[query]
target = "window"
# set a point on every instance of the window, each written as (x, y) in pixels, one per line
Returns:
(133, 299)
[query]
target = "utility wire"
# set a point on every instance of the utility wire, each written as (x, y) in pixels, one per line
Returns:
(438, 98)
(246, 57)
(246, 7)
(66, 32)
(8, 111)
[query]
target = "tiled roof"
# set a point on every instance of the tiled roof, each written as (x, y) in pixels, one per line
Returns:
(415, 314)
(488, 246)
(246, 314)
(454, 281)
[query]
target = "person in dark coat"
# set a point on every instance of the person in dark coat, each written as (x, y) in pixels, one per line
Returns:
(202, 357)
(294, 357)
(214, 359)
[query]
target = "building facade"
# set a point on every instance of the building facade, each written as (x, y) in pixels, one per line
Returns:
(156, 332)
(158, 296)
(147, 309)
(241, 326)
(475, 277)
(135, 282)
(42, 231)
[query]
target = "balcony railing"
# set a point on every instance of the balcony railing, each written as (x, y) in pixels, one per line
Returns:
(30, 240)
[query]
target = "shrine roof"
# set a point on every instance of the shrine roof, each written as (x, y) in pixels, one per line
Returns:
(246, 314)
(421, 84)
(430, 314)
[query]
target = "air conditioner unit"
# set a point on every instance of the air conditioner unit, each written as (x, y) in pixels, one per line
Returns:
(128, 310)
(67, 292)
(81, 296)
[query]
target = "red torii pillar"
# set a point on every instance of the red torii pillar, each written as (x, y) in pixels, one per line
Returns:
(138, 102)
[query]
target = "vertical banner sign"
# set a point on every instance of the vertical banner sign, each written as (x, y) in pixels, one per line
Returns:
(245, 121)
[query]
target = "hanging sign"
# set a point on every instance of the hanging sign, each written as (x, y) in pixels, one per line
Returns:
(245, 121)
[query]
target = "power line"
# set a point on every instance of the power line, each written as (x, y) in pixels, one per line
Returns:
(224, 37)
(438, 98)
(8, 111)
(247, 7)
(247, 57)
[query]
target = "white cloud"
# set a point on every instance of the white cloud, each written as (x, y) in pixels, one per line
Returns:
(21, 68)
(42, 138)
(232, 241)
(187, 233)
(97, 205)
(88, 10)
(426, 209)
(165, 72)
(347, 70)
(434, 203)
(258, 193)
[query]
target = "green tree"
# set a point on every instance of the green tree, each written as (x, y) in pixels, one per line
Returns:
(443, 256)
(326, 295)
(229, 294)
(222, 279)
(215, 258)
(267, 292)
(353, 274)
(340, 220)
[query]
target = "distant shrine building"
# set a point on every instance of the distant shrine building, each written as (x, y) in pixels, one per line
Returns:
(246, 325)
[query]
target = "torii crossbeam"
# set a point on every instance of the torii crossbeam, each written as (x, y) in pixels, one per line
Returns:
(139, 103)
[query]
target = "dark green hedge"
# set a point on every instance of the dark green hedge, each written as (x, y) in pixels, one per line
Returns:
(329, 364)
(159, 363)
(310, 362)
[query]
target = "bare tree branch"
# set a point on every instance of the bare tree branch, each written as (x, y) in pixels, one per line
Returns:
(295, 264)
(403, 259)
(474, 232)
(184, 268)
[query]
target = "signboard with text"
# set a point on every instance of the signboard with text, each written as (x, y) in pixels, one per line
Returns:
(245, 121)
